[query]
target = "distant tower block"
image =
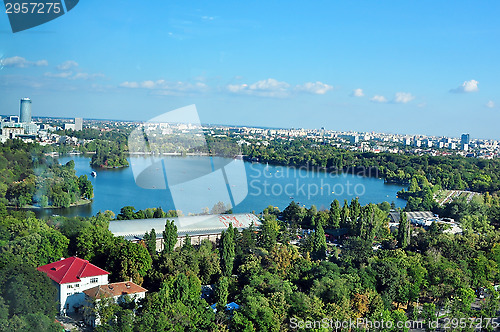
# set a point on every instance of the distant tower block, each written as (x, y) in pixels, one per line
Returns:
(78, 124)
(25, 111)
(465, 139)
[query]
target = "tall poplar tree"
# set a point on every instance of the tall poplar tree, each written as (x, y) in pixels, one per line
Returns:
(170, 236)
(226, 251)
(403, 231)
(319, 243)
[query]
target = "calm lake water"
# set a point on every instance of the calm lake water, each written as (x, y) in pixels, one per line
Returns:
(251, 187)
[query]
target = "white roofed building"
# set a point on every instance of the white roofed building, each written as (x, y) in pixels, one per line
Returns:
(197, 227)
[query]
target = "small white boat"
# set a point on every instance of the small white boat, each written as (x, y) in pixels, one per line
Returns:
(93, 173)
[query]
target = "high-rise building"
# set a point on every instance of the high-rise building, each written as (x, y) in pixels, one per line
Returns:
(78, 124)
(25, 110)
(465, 139)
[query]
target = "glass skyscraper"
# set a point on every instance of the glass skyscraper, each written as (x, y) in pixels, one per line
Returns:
(25, 111)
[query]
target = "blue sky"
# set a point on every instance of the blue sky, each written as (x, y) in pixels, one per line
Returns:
(393, 66)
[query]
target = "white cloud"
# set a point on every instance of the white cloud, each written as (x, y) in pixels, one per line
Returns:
(467, 86)
(318, 88)
(78, 76)
(357, 93)
(163, 87)
(87, 76)
(127, 84)
(20, 62)
(269, 85)
(235, 88)
(490, 104)
(67, 65)
(150, 84)
(379, 99)
(64, 74)
(265, 88)
(403, 97)
(273, 88)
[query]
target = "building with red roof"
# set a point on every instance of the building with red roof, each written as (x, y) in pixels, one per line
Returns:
(72, 276)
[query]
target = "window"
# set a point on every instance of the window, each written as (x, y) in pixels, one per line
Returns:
(77, 285)
(70, 286)
(94, 280)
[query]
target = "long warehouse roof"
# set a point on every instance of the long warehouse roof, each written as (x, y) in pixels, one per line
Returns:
(192, 225)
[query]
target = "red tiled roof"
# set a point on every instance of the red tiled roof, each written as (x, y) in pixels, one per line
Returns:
(71, 270)
(115, 289)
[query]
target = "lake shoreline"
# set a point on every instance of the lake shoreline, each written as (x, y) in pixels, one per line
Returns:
(266, 185)
(81, 202)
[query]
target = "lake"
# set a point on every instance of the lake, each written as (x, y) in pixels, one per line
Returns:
(193, 184)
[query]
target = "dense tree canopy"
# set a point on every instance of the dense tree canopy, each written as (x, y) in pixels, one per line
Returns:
(30, 178)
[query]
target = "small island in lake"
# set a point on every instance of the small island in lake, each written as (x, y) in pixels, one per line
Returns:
(108, 155)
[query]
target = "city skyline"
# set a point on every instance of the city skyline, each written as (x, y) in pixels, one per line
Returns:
(393, 68)
(228, 125)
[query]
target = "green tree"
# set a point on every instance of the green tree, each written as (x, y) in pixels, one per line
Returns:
(413, 185)
(26, 290)
(345, 218)
(150, 240)
(128, 260)
(126, 213)
(159, 213)
(85, 186)
(319, 243)
(221, 293)
(403, 231)
(269, 232)
(187, 245)
(169, 236)
(335, 214)
(226, 251)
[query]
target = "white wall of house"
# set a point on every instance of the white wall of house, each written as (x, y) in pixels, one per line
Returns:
(94, 320)
(71, 294)
(136, 297)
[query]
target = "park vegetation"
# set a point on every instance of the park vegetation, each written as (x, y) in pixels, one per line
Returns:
(108, 147)
(30, 178)
(300, 263)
